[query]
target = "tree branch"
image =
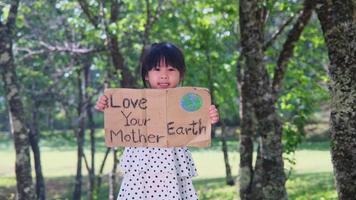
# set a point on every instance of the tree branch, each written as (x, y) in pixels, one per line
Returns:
(276, 34)
(71, 48)
(288, 47)
(151, 19)
(158, 11)
(102, 167)
(86, 163)
(30, 52)
(67, 48)
(12, 15)
(91, 17)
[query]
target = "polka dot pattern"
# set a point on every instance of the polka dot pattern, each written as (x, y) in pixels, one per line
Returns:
(176, 160)
(156, 186)
(157, 173)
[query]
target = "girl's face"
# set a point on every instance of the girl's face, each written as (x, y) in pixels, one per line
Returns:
(163, 76)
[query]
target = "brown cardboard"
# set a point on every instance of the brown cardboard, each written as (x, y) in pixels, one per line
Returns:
(157, 117)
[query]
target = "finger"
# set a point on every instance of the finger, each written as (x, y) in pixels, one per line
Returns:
(212, 108)
(213, 114)
(103, 103)
(98, 108)
(103, 100)
(99, 104)
(103, 97)
(215, 120)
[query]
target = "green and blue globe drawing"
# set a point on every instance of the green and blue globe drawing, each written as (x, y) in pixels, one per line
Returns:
(191, 102)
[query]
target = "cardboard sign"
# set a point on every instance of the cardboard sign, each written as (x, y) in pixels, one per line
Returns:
(157, 117)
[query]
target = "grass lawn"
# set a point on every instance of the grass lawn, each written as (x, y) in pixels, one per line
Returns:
(311, 177)
(210, 164)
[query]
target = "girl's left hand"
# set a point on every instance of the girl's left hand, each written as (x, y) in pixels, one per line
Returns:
(213, 114)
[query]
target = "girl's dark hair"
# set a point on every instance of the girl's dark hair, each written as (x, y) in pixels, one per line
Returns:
(171, 54)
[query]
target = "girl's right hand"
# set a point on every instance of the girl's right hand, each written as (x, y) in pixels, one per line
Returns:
(102, 103)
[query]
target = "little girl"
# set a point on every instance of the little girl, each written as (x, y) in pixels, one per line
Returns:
(151, 172)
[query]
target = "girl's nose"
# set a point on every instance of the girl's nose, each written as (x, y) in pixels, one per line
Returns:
(164, 74)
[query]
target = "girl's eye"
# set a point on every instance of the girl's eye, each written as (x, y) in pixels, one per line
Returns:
(172, 69)
(156, 68)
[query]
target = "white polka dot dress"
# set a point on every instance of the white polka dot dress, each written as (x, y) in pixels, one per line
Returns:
(157, 174)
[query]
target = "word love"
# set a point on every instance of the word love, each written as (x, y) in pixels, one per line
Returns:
(128, 103)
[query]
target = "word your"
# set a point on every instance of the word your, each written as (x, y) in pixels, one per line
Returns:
(134, 121)
(194, 128)
(129, 103)
(134, 136)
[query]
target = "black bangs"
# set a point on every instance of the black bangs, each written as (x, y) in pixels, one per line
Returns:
(171, 54)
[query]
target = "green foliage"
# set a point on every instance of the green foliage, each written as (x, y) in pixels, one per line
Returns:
(205, 30)
(4, 10)
(304, 86)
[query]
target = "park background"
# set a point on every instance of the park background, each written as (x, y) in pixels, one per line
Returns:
(66, 51)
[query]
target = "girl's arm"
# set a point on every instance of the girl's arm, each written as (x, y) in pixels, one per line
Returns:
(213, 114)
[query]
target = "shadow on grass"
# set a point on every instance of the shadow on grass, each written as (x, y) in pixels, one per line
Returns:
(58, 188)
(215, 189)
(312, 186)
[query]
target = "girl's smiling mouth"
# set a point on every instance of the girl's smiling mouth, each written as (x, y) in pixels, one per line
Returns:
(163, 85)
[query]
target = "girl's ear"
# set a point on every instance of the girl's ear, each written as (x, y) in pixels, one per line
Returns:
(181, 78)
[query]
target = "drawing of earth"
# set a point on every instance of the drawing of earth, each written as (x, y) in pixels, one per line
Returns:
(191, 102)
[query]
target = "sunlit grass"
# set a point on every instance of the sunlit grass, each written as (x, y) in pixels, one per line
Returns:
(210, 164)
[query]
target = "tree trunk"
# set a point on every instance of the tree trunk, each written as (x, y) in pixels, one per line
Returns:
(229, 179)
(267, 181)
(25, 187)
(338, 21)
(112, 177)
(269, 156)
(80, 140)
(248, 126)
(91, 125)
(100, 174)
(34, 140)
